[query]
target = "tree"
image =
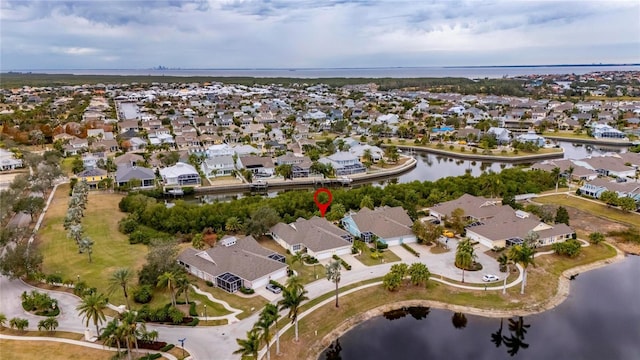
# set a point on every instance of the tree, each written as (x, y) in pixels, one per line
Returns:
(121, 278)
(596, 238)
(129, 331)
(336, 212)
(266, 319)
(333, 274)
(419, 274)
(391, 152)
(232, 224)
(366, 202)
(19, 323)
(3, 320)
(391, 281)
(570, 248)
(609, 197)
(161, 258)
(627, 203)
(75, 232)
(48, 324)
(86, 245)
(261, 221)
(459, 320)
(183, 285)
(249, 346)
(77, 165)
(457, 220)
(292, 298)
(555, 173)
(285, 170)
(562, 216)
(92, 308)
(531, 239)
(198, 241)
(427, 233)
(465, 255)
(30, 205)
(168, 281)
(524, 255)
(20, 260)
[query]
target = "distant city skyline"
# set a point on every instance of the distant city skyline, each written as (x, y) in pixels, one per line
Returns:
(229, 34)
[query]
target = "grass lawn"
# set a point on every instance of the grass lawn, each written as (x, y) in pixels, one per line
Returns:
(110, 251)
(438, 250)
(309, 273)
(597, 209)
(542, 284)
(58, 334)
(66, 165)
(27, 350)
(387, 257)
(568, 134)
(243, 303)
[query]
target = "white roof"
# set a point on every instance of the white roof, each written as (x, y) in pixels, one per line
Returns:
(177, 170)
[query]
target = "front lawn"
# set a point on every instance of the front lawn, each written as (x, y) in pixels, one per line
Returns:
(28, 350)
(595, 208)
(387, 257)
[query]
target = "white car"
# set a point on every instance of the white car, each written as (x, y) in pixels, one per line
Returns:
(490, 277)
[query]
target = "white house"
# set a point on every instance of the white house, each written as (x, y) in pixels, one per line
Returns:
(180, 174)
(8, 160)
(218, 166)
(317, 237)
(344, 163)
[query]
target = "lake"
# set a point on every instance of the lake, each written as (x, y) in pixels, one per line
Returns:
(599, 320)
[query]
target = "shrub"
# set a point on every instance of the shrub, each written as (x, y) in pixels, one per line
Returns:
(139, 236)
(246, 291)
(310, 260)
(380, 245)
(54, 279)
(275, 283)
(151, 356)
(209, 283)
(143, 294)
(451, 147)
(440, 145)
(40, 303)
(194, 322)
(192, 309)
(79, 288)
(410, 249)
(175, 315)
(127, 225)
(167, 347)
(570, 248)
(474, 150)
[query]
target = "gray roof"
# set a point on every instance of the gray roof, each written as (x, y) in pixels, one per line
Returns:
(246, 259)
(506, 224)
(316, 234)
(385, 222)
(474, 206)
(126, 173)
(127, 159)
(92, 172)
(256, 161)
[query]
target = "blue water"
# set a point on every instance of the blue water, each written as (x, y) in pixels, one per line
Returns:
(442, 129)
(392, 72)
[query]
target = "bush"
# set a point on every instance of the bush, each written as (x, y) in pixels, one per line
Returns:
(40, 304)
(53, 279)
(139, 236)
(167, 347)
(209, 283)
(410, 249)
(194, 322)
(127, 225)
(344, 263)
(192, 309)
(143, 294)
(570, 248)
(175, 315)
(310, 260)
(380, 245)
(151, 356)
(246, 291)
(275, 283)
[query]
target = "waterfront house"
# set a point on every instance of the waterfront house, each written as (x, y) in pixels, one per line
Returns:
(503, 136)
(234, 263)
(532, 137)
(300, 165)
(222, 165)
(604, 131)
(260, 166)
(180, 174)
(317, 237)
(126, 173)
(391, 225)
(343, 163)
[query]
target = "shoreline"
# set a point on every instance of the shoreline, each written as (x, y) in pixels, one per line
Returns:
(592, 141)
(483, 158)
(563, 290)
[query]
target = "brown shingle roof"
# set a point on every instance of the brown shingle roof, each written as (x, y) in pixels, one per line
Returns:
(385, 222)
(474, 206)
(316, 234)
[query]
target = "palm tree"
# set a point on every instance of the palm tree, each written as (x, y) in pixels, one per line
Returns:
(298, 257)
(86, 245)
(295, 283)
(121, 279)
(3, 319)
(522, 254)
(168, 281)
(464, 256)
(183, 285)
(92, 308)
(272, 310)
(496, 337)
(292, 298)
(459, 320)
(129, 331)
(232, 224)
(251, 345)
(49, 324)
(333, 274)
(267, 317)
(555, 172)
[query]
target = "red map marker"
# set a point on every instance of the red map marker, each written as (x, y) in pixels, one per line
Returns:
(321, 206)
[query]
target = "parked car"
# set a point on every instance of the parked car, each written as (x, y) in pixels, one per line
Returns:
(448, 233)
(274, 289)
(490, 277)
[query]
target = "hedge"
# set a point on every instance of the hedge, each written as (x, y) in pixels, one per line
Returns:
(410, 249)
(344, 263)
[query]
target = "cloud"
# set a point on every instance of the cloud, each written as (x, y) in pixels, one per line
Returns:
(308, 33)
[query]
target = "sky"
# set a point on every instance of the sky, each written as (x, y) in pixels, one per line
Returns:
(201, 34)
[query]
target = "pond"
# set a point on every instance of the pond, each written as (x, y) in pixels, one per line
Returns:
(599, 320)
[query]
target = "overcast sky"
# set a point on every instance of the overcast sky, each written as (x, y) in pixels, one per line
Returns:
(315, 33)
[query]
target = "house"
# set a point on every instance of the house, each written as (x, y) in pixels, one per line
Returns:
(261, 166)
(300, 165)
(317, 237)
(128, 160)
(90, 160)
(532, 137)
(180, 174)
(218, 166)
(596, 187)
(391, 225)
(76, 146)
(219, 150)
(475, 208)
(508, 226)
(604, 131)
(126, 173)
(109, 145)
(8, 161)
(503, 136)
(344, 163)
(608, 166)
(128, 125)
(360, 150)
(235, 263)
(92, 177)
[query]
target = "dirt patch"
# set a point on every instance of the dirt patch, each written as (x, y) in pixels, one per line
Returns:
(584, 223)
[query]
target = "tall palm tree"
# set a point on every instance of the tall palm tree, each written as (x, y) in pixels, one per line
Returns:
(522, 254)
(121, 278)
(3, 319)
(555, 172)
(232, 224)
(464, 256)
(129, 331)
(264, 325)
(249, 346)
(92, 308)
(183, 285)
(168, 281)
(272, 311)
(292, 298)
(333, 274)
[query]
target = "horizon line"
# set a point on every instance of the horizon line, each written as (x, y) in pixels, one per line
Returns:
(333, 68)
